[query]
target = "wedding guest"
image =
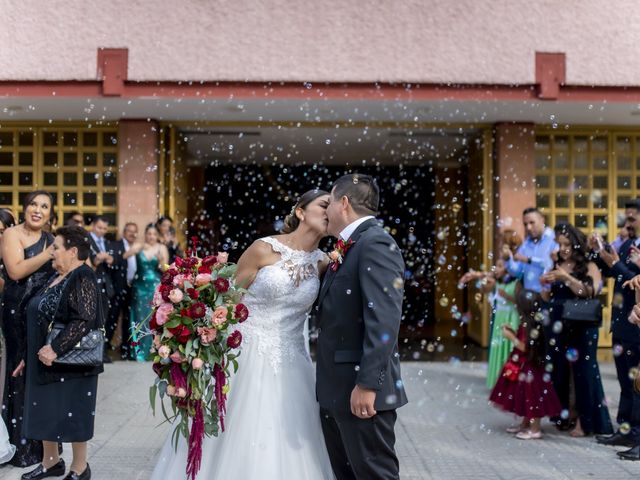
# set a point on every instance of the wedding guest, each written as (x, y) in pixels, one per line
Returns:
(533, 258)
(167, 236)
(123, 271)
(75, 219)
(26, 253)
(7, 220)
(523, 388)
(503, 289)
(626, 336)
(150, 256)
(60, 400)
(573, 346)
(101, 258)
(7, 450)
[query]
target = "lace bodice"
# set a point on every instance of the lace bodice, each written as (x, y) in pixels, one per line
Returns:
(279, 300)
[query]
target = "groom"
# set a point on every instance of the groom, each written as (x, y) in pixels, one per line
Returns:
(358, 380)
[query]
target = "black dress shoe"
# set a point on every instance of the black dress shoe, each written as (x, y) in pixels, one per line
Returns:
(86, 475)
(616, 440)
(40, 472)
(631, 454)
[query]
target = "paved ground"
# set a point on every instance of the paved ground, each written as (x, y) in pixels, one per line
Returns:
(447, 432)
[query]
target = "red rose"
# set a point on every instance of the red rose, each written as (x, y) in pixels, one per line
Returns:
(193, 293)
(167, 278)
(179, 261)
(210, 261)
(241, 312)
(152, 323)
(204, 269)
(234, 340)
(165, 290)
(197, 310)
(221, 285)
(185, 312)
(173, 271)
(181, 333)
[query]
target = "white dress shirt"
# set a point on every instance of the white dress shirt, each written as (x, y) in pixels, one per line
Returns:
(353, 226)
(132, 264)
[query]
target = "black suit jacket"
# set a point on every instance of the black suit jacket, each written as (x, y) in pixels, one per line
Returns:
(103, 274)
(119, 266)
(623, 270)
(358, 313)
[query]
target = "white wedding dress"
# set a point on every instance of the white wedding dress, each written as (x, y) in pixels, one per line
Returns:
(272, 426)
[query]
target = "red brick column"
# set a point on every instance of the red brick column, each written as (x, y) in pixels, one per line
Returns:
(514, 175)
(138, 170)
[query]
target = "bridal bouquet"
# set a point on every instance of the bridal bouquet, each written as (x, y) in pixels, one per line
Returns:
(195, 345)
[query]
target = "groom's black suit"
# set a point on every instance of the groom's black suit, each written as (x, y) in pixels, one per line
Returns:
(359, 311)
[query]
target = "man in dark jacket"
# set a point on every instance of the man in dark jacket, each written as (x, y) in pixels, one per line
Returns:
(625, 335)
(359, 386)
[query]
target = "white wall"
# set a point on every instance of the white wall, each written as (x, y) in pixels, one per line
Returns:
(467, 41)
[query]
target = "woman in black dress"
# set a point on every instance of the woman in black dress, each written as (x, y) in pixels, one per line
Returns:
(26, 253)
(6, 221)
(60, 400)
(573, 347)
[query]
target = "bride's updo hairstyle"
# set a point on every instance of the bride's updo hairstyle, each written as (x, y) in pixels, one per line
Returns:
(291, 221)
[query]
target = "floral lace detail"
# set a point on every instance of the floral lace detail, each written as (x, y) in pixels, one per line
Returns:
(279, 301)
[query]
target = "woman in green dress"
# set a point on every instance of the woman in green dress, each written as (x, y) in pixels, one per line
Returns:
(502, 290)
(150, 257)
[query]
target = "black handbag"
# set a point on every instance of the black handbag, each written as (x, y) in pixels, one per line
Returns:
(88, 352)
(583, 311)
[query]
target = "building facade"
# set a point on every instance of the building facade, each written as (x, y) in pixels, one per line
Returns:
(474, 110)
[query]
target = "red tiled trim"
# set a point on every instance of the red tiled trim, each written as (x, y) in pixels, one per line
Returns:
(113, 64)
(317, 91)
(550, 74)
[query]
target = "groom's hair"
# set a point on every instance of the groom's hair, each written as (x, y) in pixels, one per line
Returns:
(361, 190)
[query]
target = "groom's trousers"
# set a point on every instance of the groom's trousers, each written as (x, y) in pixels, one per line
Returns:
(361, 449)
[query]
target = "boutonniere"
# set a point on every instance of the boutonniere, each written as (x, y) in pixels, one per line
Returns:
(338, 253)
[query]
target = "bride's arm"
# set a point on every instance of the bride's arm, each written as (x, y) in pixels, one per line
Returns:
(258, 255)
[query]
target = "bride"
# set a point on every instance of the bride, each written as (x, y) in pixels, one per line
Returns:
(273, 427)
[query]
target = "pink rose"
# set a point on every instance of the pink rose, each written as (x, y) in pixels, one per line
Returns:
(223, 257)
(220, 315)
(163, 312)
(157, 299)
(164, 351)
(176, 357)
(171, 390)
(203, 279)
(181, 393)
(207, 335)
(334, 256)
(176, 295)
(179, 280)
(197, 363)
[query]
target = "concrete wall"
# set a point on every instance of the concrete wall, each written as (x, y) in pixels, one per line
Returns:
(467, 41)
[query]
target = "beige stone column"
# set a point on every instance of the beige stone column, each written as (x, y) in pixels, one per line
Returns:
(138, 170)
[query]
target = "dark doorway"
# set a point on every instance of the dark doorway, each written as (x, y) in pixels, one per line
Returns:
(245, 202)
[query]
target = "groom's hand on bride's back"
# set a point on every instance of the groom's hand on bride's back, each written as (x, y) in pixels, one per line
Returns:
(362, 402)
